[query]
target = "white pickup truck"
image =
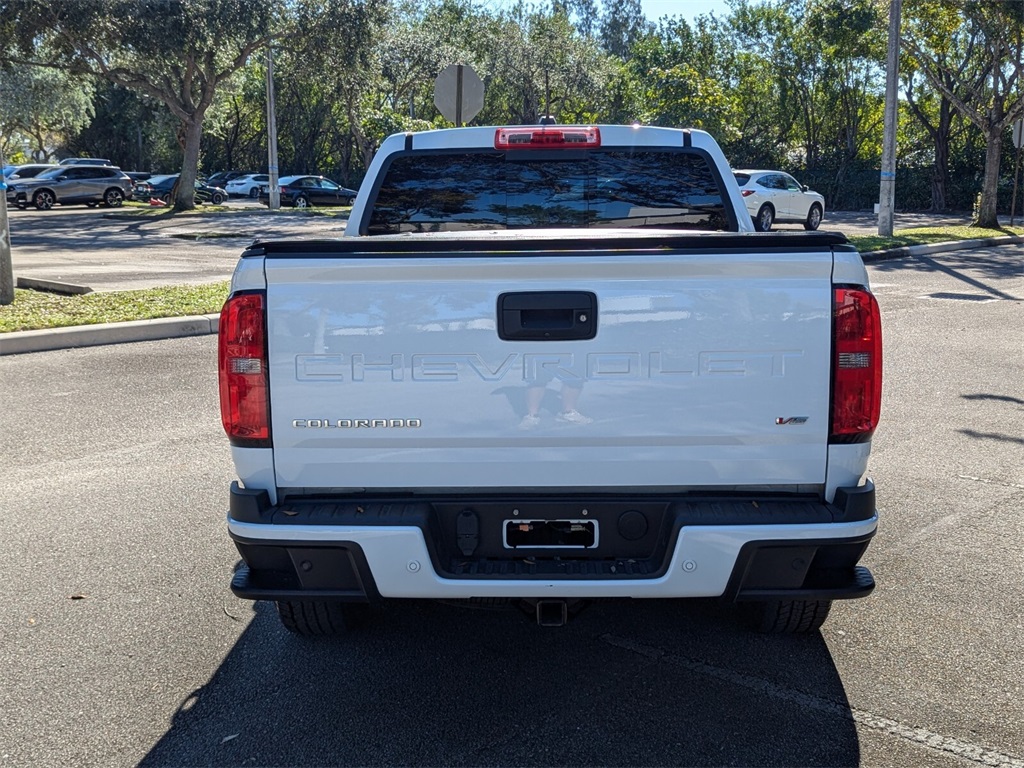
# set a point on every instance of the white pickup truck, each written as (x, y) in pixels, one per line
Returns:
(550, 364)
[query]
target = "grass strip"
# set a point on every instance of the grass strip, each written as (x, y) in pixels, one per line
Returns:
(33, 310)
(928, 236)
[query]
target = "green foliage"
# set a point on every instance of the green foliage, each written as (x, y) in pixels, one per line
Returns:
(44, 106)
(792, 84)
(622, 25)
(970, 53)
(536, 62)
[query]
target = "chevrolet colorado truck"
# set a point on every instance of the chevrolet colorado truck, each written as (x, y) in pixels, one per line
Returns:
(550, 364)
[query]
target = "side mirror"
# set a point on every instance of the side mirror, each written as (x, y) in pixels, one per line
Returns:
(804, 188)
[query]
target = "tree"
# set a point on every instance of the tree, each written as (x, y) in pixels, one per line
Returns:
(535, 63)
(44, 105)
(175, 51)
(178, 52)
(936, 114)
(622, 24)
(680, 86)
(970, 52)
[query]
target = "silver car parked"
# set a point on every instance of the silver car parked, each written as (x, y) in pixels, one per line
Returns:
(70, 184)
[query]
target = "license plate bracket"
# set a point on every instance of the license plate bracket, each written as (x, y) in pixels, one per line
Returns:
(549, 534)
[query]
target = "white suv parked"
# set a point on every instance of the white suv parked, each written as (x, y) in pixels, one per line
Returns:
(774, 196)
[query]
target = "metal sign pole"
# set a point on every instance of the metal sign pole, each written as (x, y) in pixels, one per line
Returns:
(458, 97)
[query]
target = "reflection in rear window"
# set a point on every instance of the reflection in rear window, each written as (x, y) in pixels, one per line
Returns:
(487, 190)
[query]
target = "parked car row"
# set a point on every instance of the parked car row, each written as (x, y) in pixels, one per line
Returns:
(160, 187)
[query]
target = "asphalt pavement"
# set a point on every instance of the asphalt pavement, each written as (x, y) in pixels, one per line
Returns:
(120, 643)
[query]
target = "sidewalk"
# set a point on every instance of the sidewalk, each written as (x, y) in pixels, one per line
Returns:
(19, 342)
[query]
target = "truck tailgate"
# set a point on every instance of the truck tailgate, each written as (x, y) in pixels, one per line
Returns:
(706, 369)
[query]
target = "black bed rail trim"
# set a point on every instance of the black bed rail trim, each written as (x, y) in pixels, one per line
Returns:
(585, 243)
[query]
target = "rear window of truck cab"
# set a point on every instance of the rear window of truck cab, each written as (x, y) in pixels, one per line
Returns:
(462, 191)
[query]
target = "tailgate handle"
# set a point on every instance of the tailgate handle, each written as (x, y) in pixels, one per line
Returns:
(547, 316)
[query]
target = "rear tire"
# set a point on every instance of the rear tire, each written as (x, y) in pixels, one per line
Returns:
(321, 618)
(301, 201)
(764, 219)
(791, 617)
(813, 218)
(113, 198)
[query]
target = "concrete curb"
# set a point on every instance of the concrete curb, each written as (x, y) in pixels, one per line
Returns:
(19, 342)
(952, 245)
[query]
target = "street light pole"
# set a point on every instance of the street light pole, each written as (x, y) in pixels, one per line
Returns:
(887, 187)
(275, 192)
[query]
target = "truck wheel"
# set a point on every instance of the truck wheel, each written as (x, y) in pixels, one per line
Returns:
(321, 618)
(764, 219)
(789, 617)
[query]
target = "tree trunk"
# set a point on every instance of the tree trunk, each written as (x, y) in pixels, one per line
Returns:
(185, 199)
(940, 177)
(988, 211)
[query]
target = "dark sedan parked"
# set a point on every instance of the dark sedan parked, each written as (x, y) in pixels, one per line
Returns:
(306, 191)
(160, 188)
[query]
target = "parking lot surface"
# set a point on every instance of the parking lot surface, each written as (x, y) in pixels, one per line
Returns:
(121, 250)
(120, 643)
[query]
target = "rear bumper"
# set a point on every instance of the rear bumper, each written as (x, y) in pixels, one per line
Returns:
(737, 549)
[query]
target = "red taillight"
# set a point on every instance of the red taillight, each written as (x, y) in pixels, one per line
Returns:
(746, 192)
(547, 137)
(857, 366)
(242, 359)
